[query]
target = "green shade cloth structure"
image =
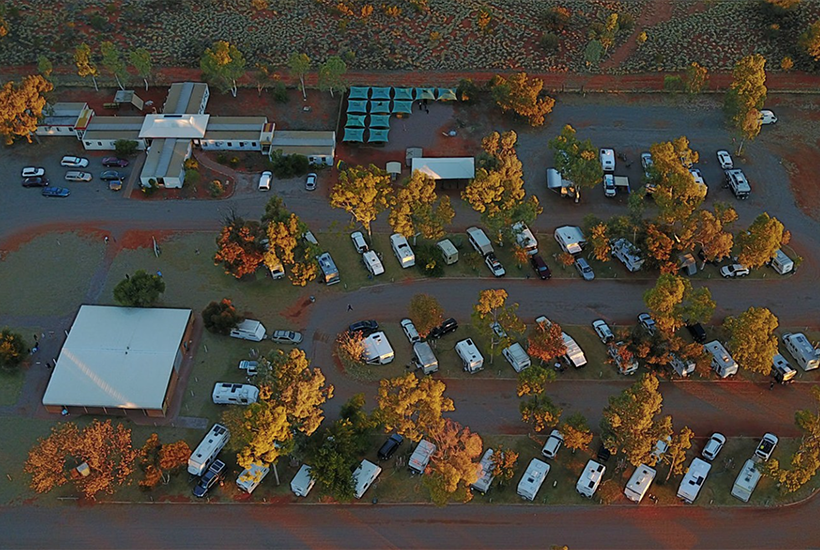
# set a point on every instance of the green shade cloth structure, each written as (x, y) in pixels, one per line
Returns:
(378, 136)
(355, 121)
(403, 107)
(380, 121)
(380, 93)
(403, 94)
(359, 92)
(357, 106)
(354, 134)
(381, 107)
(446, 94)
(426, 93)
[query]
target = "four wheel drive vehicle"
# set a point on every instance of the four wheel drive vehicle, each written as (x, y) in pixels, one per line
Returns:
(725, 160)
(647, 162)
(56, 192)
(554, 442)
(286, 337)
(603, 331)
(713, 446)
(766, 447)
(33, 172)
(250, 367)
(608, 160)
(74, 162)
(358, 242)
(114, 162)
(609, 185)
(76, 175)
(115, 185)
(311, 181)
(782, 371)
(448, 326)
(734, 270)
(767, 117)
(410, 331)
(212, 477)
(540, 266)
(264, 180)
(647, 322)
(697, 175)
(584, 269)
(109, 175)
(495, 266)
(36, 181)
(390, 446)
(365, 327)
(698, 332)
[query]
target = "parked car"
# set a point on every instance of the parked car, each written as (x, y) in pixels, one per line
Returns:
(114, 162)
(448, 326)
(390, 447)
(609, 186)
(33, 172)
(115, 185)
(540, 266)
(554, 442)
(647, 162)
(311, 181)
(767, 117)
(498, 330)
(725, 160)
(56, 192)
(76, 175)
(365, 327)
(495, 266)
(584, 269)
(766, 447)
(603, 453)
(713, 446)
(603, 331)
(109, 175)
(250, 367)
(210, 478)
(734, 270)
(647, 322)
(358, 242)
(286, 337)
(698, 332)
(74, 162)
(410, 330)
(264, 180)
(35, 181)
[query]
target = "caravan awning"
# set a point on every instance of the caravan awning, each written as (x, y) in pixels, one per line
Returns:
(403, 94)
(380, 93)
(355, 121)
(359, 92)
(357, 106)
(354, 134)
(379, 121)
(456, 168)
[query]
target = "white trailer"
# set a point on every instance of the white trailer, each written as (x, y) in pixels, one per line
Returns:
(302, 483)
(693, 480)
(226, 393)
(364, 476)
(684, 367)
(533, 478)
(402, 250)
(421, 457)
(485, 473)
(801, 349)
(628, 253)
(208, 449)
(449, 252)
(249, 330)
(250, 478)
(746, 481)
(471, 358)
(372, 263)
(424, 358)
(377, 349)
(330, 273)
(574, 355)
(570, 238)
(639, 483)
(782, 263)
(723, 363)
(590, 479)
(525, 238)
(479, 241)
(517, 357)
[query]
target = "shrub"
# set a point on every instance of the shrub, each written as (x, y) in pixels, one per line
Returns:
(556, 18)
(149, 189)
(626, 22)
(428, 260)
(234, 162)
(125, 147)
(288, 166)
(672, 83)
(191, 164)
(467, 91)
(641, 38)
(222, 158)
(220, 317)
(192, 177)
(280, 92)
(216, 188)
(13, 349)
(549, 42)
(98, 22)
(786, 64)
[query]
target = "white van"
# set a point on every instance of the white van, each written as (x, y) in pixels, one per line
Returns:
(372, 263)
(801, 349)
(302, 483)
(449, 252)
(517, 357)
(208, 449)
(693, 480)
(590, 479)
(421, 457)
(525, 238)
(402, 250)
(377, 349)
(723, 363)
(782, 263)
(533, 478)
(364, 476)
(485, 473)
(628, 253)
(470, 356)
(250, 478)
(226, 393)
(249, 330)
(330, 273)
(608, 160)
(424, 358)
(746, 481)
(570, 238)
(639, 483)
(479, 241)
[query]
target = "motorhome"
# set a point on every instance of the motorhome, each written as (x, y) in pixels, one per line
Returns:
(525, 238)
(723, 363)
(737, 182)
(782, 263)
(801, 349)
(330, 273)
(684, 367)
(590, 479)
(421, 457)
(208, 449)
(479, 241)
(449, 252)
(746, 481)
(639, 483)
(471, 358)
(574, 355)
(226, 393)
(302, 482)
(250, 478)
(377, 349)
(249, 330)
(485, 473)
(693, 480)
(372, 263)
(532, 479)
(402, 250)
(424, 358)
(517, 357)
(629, 255)
(364, 476)
(557, 184)
(570, 238)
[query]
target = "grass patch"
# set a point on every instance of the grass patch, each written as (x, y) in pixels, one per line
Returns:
(11, 383)
(18, 434)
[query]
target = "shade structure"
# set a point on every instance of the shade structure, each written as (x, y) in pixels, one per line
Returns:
(403, 107)
(380, 93)
(359, 92)
(357, 106)
(378, 135)
(380, 107)
(403, 94)
(354, 134)
(379, 121)
(355, 121)
(446, 94)
(426, 93)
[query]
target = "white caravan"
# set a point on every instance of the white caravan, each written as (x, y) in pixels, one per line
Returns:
(330, 273)
(684, 367)
(364, 476)
(249, 330)
(377, 349)
(517, 357)
(575, 355)
(424, 358)
(723, 363)
(533, 478)
(421, 457)
(302, 482)
(525, 238)
(628, 253)
(746, 481)
(208, 449)
(470, 356)
(639, 483)
(402, 250)
(372, 262)
(570, 238)
(782, 263)
(226, 393)
(485, 473)
(479, 241)
(449, 252)
(801, 349)
(590, 479)
(250, 478)
(693, 480)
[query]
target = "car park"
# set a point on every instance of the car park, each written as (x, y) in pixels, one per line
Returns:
(61, 192)
(733, 271)
(213, 476)
(609, 186)
(264, 180)
(35, 181)
(647, 322)
(110, 175)
(390, 447)
(494, 265)
(553, 443)
(33, 172)
(311, 181)
(114, 162)
(698, 332)
(725, 160)
(358, 242)
(74, 162)
(584, 270)
(76, 175)
(713, 446)
(448, 326)
(766, 447)
(286, 337)
(367, 327)
(540, 266)
(603, 331)
(767, 117)
(410, 331)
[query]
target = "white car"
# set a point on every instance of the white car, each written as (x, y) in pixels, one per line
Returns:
(725, 160)
(733, 271)
(494, 265)
(609, 185)
(766, 447)
(76, 175)
(647, 322)
(264, 180)
(410, 331)
(358, 242)
(554, 442)
(498, 330)
(286, 337)
(74, 162)
(310, 182)
(608, 160)
(603, 331)
(713, 446)
(647, 162)
(33, 172)
(584, 269)
(767, 117)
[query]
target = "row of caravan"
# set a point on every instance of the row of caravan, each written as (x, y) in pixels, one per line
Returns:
(798, 346)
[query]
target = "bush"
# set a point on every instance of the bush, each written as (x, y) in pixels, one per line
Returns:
(192, 176)
(222, 158)
(672, 83)
(234, 162)
(280, 92)
(149, 189)
(626, 22)
(191, 164)
(139, 290)
(98, 23)
(125, 147)
(549, 42)
(216, 188)
(556, 18)
(288, 166)
(220, 317)
(429, 260)
(13, 349)
(467, 91)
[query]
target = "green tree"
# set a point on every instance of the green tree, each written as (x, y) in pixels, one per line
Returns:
(758, 245)
(454, 465)
(417, 208)
(708, 230)
(746, 96)
(13, 349)
(413, 407)
(577, 161)
(221, 317)
(522, 96)
(540, 412)
(85, 66)
(695, 78)
(44, 67)
(299, 65)
(805, 462)
(504, 461)
(676, 193)
(753, 341)
(262, 76)
(332, 75)
(810, 40)
(593, 52)
(426, 313)
(576, 432)
(675, 454)
(362, 192)
(492, 309)
(140, 59)
(125, 147)
(673, 302)
(222, 65)
(112, 60)
(140, 290)
(533, 380)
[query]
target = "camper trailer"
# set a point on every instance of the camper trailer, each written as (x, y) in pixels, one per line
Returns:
(684, 367)
(249, 330)
(302, 482)
(639, 483)
(801, 349)
(533, 478)
(485, 473)
(746, 481)
(449, 253)
(693, 480)
(557, 184)
(782, 263)
(421, 457)
(226, 393)
(525, 238)
(479, 241)
(208, 449)
(575, 355)
(372, 263)
(377, 349)
(517, 357)
(590, 479)
(570, 238)
(250, 478)
(782, 371)
(628, 254)
(330, 273)
(723, 363)
(424, 358)
(470, 356)
(402, 251)
(364, 476)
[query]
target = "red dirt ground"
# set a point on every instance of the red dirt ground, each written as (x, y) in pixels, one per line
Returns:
(800, 161)
(135, 238)
(16, 240)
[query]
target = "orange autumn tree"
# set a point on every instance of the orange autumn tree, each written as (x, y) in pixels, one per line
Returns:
(21, 107)
(239, 247)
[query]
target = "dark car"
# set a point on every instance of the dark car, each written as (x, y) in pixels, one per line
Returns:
(540, 267)
(37, 181)
(56, 192)
(114, 162)
(110, 175)
(448, 326)
(603, 453)
(115, 185)
(698, 332)
(211, 478)
(390, 446)
(365, 327)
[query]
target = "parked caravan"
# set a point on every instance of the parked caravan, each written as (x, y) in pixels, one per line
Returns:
(570, 238)
(424, 358)
(533, 478)
(639, 483)
(449, 253)
(693, 480)
(737, 182)
(330, 273)
(470, 356)
(364, 476)
(226, 393)
(250, 478)
(402, 251)
(377, 349)
(781, 370)
(684, 367)
(782, 263)
(629, 255)
(208, 449)
(590, 479)
(421, 457)
(302, 482)
(723, 363)
(746, 481)
(372, 263)
(277, 271)
(485, 473)
(479, 241)
(574, 355)
(525, 238)
(801, 349)
(249, 330)
(557, 184)
(517, 357)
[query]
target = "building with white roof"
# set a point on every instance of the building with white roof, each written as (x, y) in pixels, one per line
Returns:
(456, 168)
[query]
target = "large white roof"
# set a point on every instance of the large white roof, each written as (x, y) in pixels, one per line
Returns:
(117, 357)
(174, 126)
(455, 168)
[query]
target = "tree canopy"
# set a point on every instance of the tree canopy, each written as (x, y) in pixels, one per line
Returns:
(112, 60)
(417, 208)
(758, 245)
(746, 96)
(240, 250)
(298, 65)
(492, 309)
(139, 290)
(140, 59)
(426, 313)
(362, 192)
(454, 465)
(577, 161)
(522, 96)
(21, 107)
(413, 407)
(13, 349)
(221, 317)
(676, 193)
(805, 462)
(810, 40)
(222, 65)
(752, 339)
(673, 302)
(331, 75)
(85, 66)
